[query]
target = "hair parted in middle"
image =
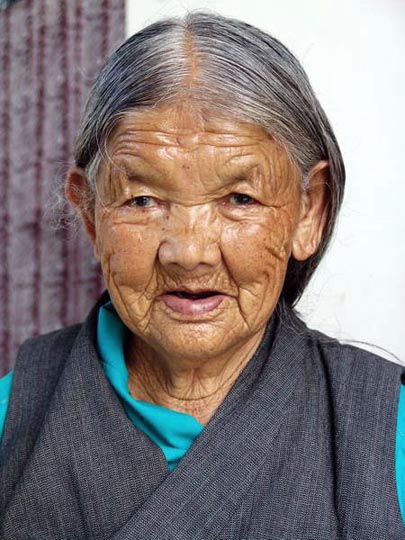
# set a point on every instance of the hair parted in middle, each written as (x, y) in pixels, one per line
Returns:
(232, 68)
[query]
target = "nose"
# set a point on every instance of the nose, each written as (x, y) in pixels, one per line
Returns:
(191, 239)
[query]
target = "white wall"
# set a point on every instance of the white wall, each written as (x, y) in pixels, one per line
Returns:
(353, 52)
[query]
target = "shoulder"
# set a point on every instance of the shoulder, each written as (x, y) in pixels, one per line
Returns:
(345, 367)
(40, 360)
(347, 358)
(361, 385)
(51, 339)
(63, 338)
(340, 355)
(360, 380)
(38, 365)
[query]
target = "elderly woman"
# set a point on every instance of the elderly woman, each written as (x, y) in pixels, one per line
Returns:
(193, 403)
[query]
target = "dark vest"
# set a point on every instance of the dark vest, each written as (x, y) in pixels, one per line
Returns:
(301, 448)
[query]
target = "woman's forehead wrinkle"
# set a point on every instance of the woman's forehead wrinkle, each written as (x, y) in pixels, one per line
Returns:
(175, 149)
(135, 167)
(184, 119)
(163, 159)
(125, 142)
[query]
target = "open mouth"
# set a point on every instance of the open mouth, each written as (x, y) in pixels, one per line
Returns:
(193, 296)
(192, 304)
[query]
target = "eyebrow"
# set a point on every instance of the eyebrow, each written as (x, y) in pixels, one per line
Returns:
(153, 176)
(245, 174)
(134, 174)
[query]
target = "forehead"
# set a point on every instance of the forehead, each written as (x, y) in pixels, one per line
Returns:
(189, 151)
(185, 128)
(192, 152)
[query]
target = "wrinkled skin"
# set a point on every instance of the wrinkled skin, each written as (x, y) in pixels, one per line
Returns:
(168, 215)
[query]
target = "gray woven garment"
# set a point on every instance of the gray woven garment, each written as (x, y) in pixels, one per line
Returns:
(302, 448)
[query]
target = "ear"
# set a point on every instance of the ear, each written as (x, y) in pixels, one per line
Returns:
(313, 213)
(78, 193)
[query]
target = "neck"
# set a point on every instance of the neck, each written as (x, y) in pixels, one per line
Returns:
(189, 385)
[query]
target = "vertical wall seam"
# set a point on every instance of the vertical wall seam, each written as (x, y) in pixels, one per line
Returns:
(65, 274)
(77, 93)
(4, 190)
(39, 136)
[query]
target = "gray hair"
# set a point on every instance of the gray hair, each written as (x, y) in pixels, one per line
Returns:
(233, 68)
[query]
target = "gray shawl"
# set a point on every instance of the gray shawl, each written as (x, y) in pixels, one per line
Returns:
(301, 448)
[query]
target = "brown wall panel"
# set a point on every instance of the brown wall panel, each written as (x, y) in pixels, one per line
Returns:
(50, 52)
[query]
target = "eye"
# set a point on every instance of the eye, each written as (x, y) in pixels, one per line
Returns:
(241, 199)
(142, 201)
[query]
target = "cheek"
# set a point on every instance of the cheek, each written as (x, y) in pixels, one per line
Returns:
(127, 254)
(265, 248)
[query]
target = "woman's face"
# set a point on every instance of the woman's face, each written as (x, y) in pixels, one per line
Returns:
(195, 220)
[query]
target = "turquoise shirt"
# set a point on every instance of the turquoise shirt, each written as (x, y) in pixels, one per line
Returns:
(173, 432)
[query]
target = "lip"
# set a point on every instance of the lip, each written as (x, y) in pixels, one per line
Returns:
(192, 291)
(192, 306)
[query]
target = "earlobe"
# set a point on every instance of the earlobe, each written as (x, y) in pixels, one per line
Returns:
(313, 213)
(78, 193)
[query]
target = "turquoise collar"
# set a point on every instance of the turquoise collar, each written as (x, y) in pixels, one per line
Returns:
(172, 431)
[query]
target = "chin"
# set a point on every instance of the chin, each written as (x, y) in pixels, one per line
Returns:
(194, 340)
